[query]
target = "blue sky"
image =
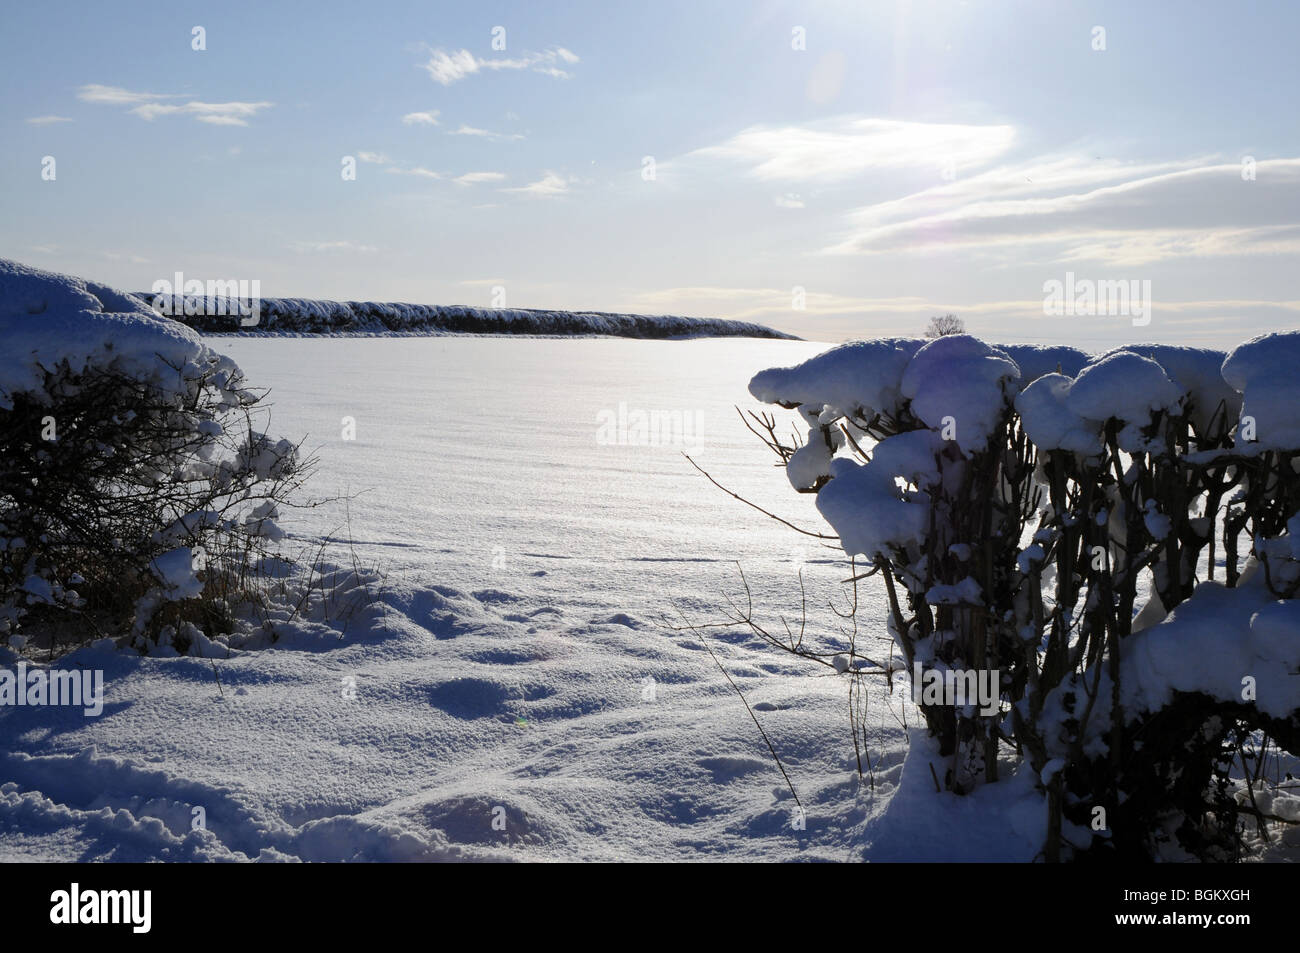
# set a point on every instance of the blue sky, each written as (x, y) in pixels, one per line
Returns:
(913, 158)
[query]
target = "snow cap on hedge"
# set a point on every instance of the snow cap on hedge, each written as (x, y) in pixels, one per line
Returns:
(1063, 414)
(47, 318)
(1197, 371)
(1188, 652)
(1266, 371)
(1125, 386)
(860, 377)
(1037, 360)
(958, 379)
(864, 503)
(1049, 422)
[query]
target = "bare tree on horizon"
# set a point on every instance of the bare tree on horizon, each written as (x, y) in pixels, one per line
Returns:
(945, 324)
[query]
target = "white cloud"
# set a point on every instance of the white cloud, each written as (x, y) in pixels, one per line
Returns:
(46, 120)
(225, 114)
(217, 114)
(828, 316)
(374, 158)
(472, 178)
(752, 303)
(1064, 208)
(429, 118)
(1078, 210)
(416, 170)
(549, 184)
(465, 130)
(116, 95)
(151, 111)
(447, 68)
(833, 150)
(326, 247)
(148, 107)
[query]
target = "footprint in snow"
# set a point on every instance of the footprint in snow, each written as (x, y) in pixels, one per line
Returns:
(494, 595)
(618, 619)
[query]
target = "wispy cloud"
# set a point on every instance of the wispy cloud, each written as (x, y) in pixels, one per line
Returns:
(328, 247)
(834, 150)
(473, 178)
(839, 316)
(1074, 209)
(46, 120)
(149, 106)
(1066, 208)
(465, 130)
(765, 302)
(116, 95)
(549, 184)
(216, 114)
(429, 118)
(415, 170)
(451, 67)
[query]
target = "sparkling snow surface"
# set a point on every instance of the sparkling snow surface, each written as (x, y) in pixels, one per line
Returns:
(518, 669)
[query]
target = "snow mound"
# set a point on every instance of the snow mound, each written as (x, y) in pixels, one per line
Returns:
(1213, 643)
(810, 465)
(859, 378)
(863, 378)
(997, 822)
(1263, 370)
(864, 503)
(47, 319)
(1125, 386)
(1063, 414)
(1038, 360)
(1050, 423)
(957, 380)
(1197, 371)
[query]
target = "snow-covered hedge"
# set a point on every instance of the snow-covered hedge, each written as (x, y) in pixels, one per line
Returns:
(132, 477)
(1113, 539)
(306, 316)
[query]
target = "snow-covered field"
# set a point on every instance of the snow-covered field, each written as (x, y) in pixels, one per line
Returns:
(516, 691)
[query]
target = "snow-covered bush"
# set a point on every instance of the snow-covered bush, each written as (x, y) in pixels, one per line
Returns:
(1112, 540)
(136, 492)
